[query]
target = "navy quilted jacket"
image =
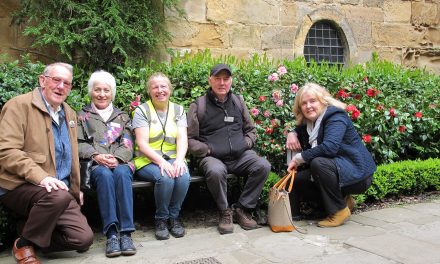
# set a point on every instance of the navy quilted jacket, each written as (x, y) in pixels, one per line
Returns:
(338, 139)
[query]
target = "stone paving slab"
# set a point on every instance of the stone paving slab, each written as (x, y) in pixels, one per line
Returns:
(401, 235)
(399, 248)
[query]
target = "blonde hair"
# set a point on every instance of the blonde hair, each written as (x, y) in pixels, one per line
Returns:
(321, 94)
(158, 75)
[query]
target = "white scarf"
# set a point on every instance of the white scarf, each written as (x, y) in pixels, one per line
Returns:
(104, 113)
(313, 129)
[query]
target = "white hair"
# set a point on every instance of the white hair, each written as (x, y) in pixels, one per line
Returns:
(102, 77)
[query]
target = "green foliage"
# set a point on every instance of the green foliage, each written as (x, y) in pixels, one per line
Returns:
(270, 182)
(96, 33)
(405, 177)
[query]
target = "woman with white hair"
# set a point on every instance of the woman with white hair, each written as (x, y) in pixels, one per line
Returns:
(104, 136)
(331, 160)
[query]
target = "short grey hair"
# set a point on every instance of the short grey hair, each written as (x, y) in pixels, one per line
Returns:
(102, 77)
(56, 64)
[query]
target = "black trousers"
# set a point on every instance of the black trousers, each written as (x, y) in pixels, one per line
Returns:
(320, 182)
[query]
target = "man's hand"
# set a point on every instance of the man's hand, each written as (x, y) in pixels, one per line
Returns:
(292, 142)
(53, 183)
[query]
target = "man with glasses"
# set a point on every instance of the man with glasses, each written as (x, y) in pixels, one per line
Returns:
(39, 167)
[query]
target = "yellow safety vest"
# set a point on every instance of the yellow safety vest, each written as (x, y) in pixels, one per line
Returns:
(156, 135)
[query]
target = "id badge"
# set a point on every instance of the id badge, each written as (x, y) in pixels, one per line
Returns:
(229, 119)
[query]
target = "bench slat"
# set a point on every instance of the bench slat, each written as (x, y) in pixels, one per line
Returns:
(141, 184)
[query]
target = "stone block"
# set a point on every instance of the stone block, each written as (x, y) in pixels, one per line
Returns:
(397, 11)
(195, 10)
(280, 54)
(288, 14)
(361, 32)
(244, 11)
(363, 13)
(275, 37)
(7, 32)
(242, 36)
(194, 35)
(432, 37)
(395, 35)
(390, 54)
(374, 3)
(426, 14)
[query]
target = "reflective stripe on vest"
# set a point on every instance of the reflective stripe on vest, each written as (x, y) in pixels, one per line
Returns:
(156, 135)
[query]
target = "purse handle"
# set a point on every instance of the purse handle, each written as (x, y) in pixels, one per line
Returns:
(282, 183)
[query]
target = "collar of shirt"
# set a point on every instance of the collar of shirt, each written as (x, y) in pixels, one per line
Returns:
(54, 113)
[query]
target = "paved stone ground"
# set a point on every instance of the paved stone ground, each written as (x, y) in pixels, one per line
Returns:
(403, 234)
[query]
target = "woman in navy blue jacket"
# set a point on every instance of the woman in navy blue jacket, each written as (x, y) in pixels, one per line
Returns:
(328, 153)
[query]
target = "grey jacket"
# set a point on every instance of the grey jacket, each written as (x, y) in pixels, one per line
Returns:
(98, 137)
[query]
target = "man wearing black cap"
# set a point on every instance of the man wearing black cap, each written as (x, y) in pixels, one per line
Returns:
(221, 136)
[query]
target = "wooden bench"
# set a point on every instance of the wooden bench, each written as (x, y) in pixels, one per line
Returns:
(194, 179)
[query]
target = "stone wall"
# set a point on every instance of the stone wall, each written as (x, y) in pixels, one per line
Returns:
(404, 32)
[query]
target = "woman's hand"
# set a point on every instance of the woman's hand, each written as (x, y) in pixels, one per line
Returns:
(107, 160)
(292, 142)
(166, 167)
(292, 165)
(179, 167)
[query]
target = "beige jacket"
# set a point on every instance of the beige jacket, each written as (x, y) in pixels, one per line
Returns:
(27, 149)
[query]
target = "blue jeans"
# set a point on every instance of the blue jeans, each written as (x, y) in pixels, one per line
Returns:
(115, 196)
(169, 193)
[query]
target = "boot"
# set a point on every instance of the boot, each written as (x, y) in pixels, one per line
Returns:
(350, 202)
(336, 219)
(225, 225)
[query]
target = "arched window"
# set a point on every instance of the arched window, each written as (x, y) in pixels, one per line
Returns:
(324, 44)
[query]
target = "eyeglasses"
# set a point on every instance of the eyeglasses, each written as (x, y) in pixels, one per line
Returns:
(57, 81)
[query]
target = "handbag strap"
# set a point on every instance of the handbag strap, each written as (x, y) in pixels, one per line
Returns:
(282, 183)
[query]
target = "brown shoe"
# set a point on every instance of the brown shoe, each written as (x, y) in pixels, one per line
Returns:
(225, 225)
(336, 219)
(350, 202)
(24, 255)
(244, 219)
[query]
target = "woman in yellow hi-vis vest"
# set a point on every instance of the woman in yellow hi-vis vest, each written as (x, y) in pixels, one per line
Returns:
(161, 144)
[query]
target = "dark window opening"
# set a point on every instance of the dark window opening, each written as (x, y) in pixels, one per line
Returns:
(324, 44)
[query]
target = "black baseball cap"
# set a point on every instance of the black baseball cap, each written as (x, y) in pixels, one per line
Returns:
(220, 67)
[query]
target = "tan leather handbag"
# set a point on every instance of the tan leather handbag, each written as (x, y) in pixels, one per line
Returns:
(279, 213)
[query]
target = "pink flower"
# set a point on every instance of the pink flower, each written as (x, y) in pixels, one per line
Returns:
(281, 70)
(418, 114)
(269, 131)
(366, 138)
(342, 94)
(402, 129)
(372, 92)
(355, 113)
(393, 112)
(279, 103)
(258, 122)
(294, 88)
(273, 77)
(262, 98)
(266, 113)
(350, 108)
(366, 79)
(255, 112)
(274, 122)
(135, 103)
(276, 95)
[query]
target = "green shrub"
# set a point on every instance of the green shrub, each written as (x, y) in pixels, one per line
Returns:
(405, 177)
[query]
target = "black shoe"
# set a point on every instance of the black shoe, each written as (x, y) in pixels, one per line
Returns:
(127, 246)
(113, 249)
(161, 231)
(176, 227)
